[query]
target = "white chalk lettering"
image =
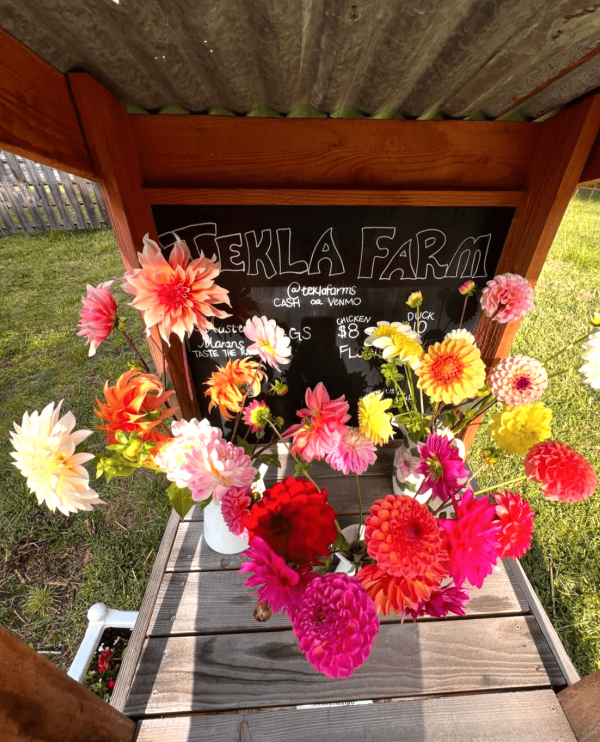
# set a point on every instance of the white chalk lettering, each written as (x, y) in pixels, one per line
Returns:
(286, 265)
(326, 251)
(258, 252)
(369, 247)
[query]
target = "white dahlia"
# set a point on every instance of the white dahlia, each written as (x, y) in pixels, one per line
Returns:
(462, 333)
(45, 454)
(591, 354)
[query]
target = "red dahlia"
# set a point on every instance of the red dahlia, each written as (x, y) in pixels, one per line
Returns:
(295, 520)
(515, 518)
(563, 472)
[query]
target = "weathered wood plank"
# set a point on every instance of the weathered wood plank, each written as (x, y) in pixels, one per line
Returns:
(13, 199)
(527, 716)
(216, 602)
(9, 225)
(40, 190)
(87, 202)
(22, 187)
(73, 199)
(58, 196)
(100, 203)
(203, 673)
(134, 648)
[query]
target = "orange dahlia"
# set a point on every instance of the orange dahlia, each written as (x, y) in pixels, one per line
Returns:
(402, 536)
(397, 594)
(228, 385)
(135, 404)
(177, 295)
(451, 371)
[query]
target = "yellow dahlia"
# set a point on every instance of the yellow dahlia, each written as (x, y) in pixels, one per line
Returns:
(451, 371)
(373, 419)
(401, 346)
(45, 454)
(228, 385)
(385, 329)
(517, 429)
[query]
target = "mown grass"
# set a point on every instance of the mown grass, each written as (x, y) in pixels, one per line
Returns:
(52, 568)
(564, 563)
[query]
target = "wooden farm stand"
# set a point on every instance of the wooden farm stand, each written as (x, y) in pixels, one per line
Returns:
(197, 657)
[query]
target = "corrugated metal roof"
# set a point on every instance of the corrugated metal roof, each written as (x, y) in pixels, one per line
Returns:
(383, 58)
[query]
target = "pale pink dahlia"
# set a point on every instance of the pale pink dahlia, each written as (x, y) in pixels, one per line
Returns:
(515, 518)
(563, 472)
(98, 316)
(443, 600)
(177, 295)
(507, 297)
(336, 624)
(442, 466)
(269, 340)
(471, 540)
(323, 422)
(235, 508)
(278, 585)
(518, 380)
(218, 469)
(354, 452)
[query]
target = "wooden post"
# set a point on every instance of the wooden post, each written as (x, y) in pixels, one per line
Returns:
(40, 703)
(113, 152)
(581, 704)
(555, 170)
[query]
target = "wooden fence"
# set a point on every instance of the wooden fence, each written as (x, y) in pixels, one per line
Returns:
(34, 198)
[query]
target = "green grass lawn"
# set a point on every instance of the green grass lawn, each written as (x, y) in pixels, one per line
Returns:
(52, 568)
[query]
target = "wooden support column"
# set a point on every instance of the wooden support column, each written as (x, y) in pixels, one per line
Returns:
(114, 155)
(561, 153)
(581, 704)
(40, 703)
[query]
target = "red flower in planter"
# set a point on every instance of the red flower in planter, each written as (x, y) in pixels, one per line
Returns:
(105, 660)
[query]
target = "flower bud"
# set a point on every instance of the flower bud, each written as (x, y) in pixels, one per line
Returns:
(467, 288)
(132, 450)
(279, 421)
(262, 611)
(415, 299)
(595, 319)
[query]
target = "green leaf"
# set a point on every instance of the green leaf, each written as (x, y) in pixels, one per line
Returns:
(205, 503)
(181, 499)
(340, 544)
(270, 459)
(301, 467)
(245, 445)
(81, 448)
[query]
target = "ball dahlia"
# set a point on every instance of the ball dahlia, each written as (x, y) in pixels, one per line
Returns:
(507, 297)
(442, 466)
(402, 536)
(563, 472)
(518, 380)
(336, 624)
(516, 429)
(451, 371)
(235, 508)
(295, 519)
(471, 540)
(515, 518)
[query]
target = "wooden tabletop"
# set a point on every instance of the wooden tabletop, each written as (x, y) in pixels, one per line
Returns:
(199, 667)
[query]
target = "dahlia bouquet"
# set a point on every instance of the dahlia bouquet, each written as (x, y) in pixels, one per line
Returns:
(420, 549)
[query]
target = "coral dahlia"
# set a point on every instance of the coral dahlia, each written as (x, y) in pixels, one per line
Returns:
(270, 342)
(336, 624)
(228, 385)
(353, 452)
(235, 508)
(98, 315)
(507, 297)
(402, 536)
(471, 540)
(451, 371)
(323, 422)
(516, 429)
(518, 380)
(563, 472)
(295, 519)
(442, 466)
(516, 524)
(441, 602)
(177, 295)
(374, 420)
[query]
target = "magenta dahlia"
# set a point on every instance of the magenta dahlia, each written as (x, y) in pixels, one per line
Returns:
(278, 585)
(235, 508)
(336, 624)
(353, 452)
(442, 466)
(471, 540)
(443, 600)
(515, 518)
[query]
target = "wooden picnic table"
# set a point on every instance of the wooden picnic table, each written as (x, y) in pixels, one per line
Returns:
(200, 667)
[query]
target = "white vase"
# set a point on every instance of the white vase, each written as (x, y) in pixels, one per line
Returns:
(345, 565)
(216, 532)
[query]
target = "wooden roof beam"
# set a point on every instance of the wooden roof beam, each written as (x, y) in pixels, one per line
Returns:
(37, 115)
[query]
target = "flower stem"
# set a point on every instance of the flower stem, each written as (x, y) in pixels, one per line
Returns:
(360, 509)
(306, 474)
(238, 417)
(135, 350)
(464, 309)
(500, 484)
(188, 376)
(564, 349)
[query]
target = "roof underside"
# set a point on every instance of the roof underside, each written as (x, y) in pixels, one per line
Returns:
(417, 59)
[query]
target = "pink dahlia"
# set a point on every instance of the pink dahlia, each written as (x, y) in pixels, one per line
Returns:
(354, 452)
(257, 415)
(177, 295)
(269, 340)
(443, 600)
(403, 536)
(518, 380)
(278, 585)
(323, 422)
(235, 508)
(472, 540)
(563, 472)
(218, 470)
(442, 466)
(192, 439)
(516, 524)
(507, 297)
(98, 316)
(336, 624)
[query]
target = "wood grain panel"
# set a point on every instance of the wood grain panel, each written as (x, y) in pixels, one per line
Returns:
(216, 602)
(204, 673)
(38, 118)
(528, 716)
(333, 153)
(313, 197)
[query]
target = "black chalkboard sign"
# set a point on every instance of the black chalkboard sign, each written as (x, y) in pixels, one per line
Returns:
(326, 273)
